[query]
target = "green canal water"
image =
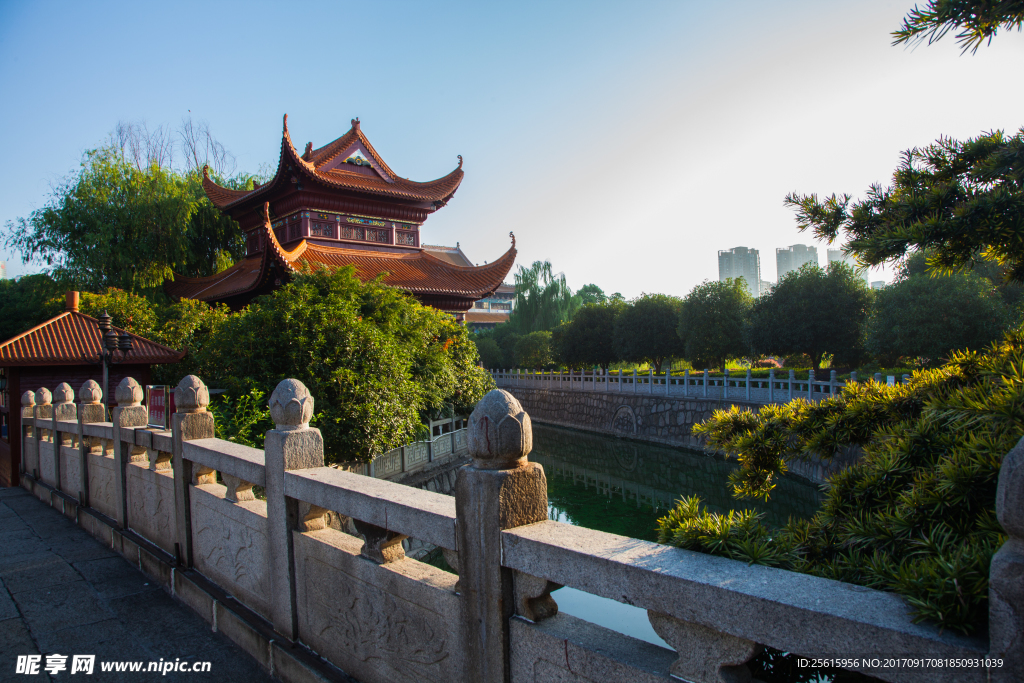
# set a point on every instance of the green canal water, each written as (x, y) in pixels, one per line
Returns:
(623, 487)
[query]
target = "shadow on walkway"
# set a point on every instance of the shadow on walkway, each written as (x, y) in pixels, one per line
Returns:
(62, 592)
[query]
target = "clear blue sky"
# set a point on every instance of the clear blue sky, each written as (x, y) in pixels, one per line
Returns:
(625, 142)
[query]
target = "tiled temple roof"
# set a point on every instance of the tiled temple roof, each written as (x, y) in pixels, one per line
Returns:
(323, 166)
(73, 338)
(418, 272)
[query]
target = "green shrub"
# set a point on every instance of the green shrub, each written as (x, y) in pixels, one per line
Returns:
(916, 514)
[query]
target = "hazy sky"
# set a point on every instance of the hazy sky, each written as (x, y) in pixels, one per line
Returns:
(625, 142)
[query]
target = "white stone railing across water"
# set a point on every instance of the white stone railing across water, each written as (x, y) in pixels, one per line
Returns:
(728, 386)
(318, 567)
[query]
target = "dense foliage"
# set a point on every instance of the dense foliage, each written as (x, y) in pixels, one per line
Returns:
(587, 339)
(543, 299)
(113, 224)
(712, 323)
(922, 317)
(916, 515)
(376, 361)
(645, 330)
(813, 311)
(24, 303)
(534, 350)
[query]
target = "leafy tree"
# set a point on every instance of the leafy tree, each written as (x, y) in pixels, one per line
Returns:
(976, 20)
(128, 219)
(916, 514)
(505, 336)
(27, 302)
(591, 294)
(543, 299)
(128, 311)
(490, 353)
(534, 350)
(375, 360)
(712, 322)
(812, 311)
(927, 317)
(645, 330)
(587, 339)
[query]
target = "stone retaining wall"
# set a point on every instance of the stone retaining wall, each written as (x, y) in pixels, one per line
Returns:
(654, 419)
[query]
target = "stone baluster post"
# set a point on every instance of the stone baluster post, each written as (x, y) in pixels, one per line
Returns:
(832, 383)
(905, 379)
(878, 377)
(668, 378)
(90, 409)
(725, 383)
(705, 382)
(63, 410)
(28, 426)
(1006, 585)
(499, 490)
(792, 378)
(853, 376)
(634, 380)
(43, 411)
(293, 445)
(620, 380)
(650, 381)
(771, 385)
(191, 421)
(748, 384)
(686, 383)
(128, 414)
(810, 384)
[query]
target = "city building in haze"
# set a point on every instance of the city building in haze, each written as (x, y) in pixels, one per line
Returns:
(878, 284)
(741, 262)
(837, 255)
(788, 259)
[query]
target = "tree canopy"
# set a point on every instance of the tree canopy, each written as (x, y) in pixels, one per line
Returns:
(813, 311)
(975, 20)
(957, 200)
(588, 339)
(925, 318)
(376, 361)
(543, 299)
(591, 294)
(128, 219)
(712, 322)
(645, 330)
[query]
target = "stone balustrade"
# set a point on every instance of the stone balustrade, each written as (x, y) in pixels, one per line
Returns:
(315, 575)
(728, 386)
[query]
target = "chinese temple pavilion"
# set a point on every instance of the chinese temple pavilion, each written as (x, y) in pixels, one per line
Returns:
(341, 205)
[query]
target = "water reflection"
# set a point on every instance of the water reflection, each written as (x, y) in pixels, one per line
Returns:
(623, 487)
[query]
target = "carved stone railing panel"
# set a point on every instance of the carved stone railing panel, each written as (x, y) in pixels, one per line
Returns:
(705, 655)
(417, 454)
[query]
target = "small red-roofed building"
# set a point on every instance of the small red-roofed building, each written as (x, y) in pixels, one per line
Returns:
(62, 349)
(342, 205)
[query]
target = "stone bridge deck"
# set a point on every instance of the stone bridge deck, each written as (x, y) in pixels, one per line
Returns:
(63, 592)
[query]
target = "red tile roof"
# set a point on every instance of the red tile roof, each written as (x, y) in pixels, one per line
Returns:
(73, 338)
(318, 165)
(452, 255)
(418, 272)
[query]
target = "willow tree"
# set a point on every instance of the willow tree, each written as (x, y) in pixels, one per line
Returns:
(543, 299)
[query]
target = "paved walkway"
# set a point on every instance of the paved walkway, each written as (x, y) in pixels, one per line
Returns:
(62, 592)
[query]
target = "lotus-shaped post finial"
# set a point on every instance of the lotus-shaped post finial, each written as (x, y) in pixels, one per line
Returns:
(291, 405)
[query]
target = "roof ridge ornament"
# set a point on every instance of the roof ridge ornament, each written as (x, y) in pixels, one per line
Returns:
(460, 161)
(308, 154)
(355, 123)
(513, 236)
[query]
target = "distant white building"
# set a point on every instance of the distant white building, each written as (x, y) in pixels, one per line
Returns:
(788, 259)
(741, 262)
(878, 284)
(3, 270)
(838, 255)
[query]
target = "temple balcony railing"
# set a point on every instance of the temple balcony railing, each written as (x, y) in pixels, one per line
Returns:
(314, 575)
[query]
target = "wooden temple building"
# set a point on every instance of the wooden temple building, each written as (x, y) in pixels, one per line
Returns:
(63, 349)
(341, 205)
